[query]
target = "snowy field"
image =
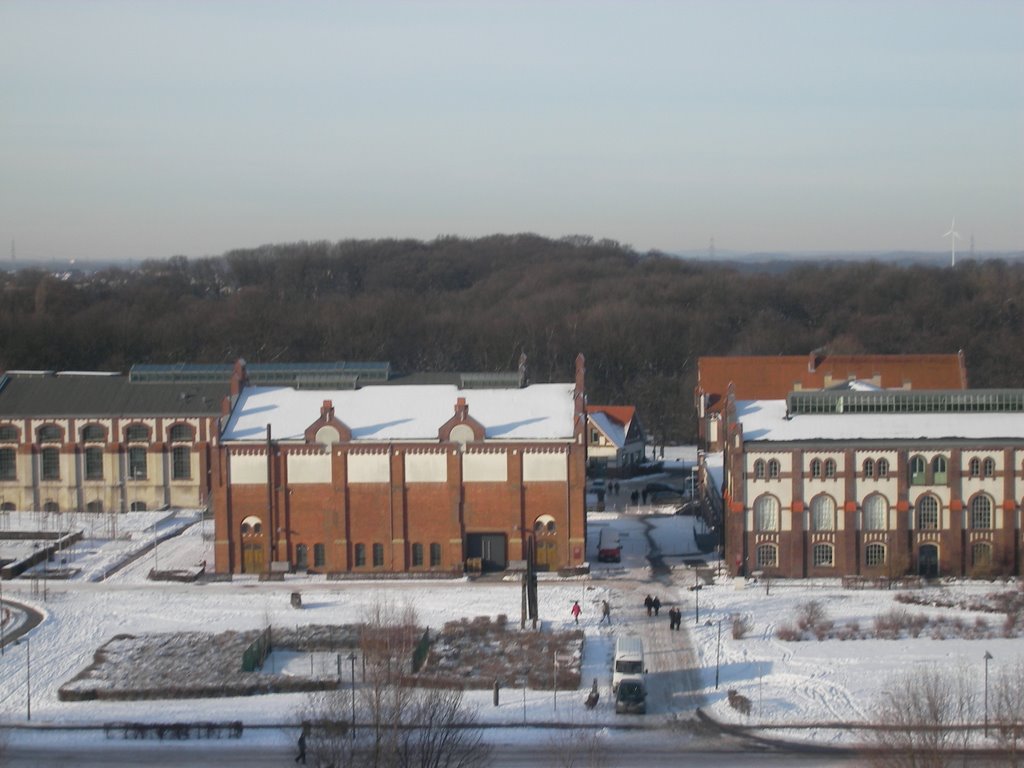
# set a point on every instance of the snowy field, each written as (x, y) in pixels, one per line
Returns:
(787, 682)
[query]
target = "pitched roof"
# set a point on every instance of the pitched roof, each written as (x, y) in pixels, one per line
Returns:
(46, 394)
(411, 412)
(772, 377)
(621, 413)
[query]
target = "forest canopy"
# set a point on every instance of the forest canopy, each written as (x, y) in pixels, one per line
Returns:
(455, 304)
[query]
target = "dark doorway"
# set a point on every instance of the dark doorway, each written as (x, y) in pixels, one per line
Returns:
(928, 561)
(491, 548)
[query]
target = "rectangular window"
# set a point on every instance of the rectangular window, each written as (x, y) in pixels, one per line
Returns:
(181, 462)
(137, 433)
(301, 557)
(435, 555)
(319, 556)
(417, 555)
(822, 554)
(360, 555)
(875, 555)
(8, 464)
(93, 463)
(50, 460)
(378, 555)
(137, 463)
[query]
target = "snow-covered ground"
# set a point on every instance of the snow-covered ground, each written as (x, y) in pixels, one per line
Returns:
(787, 682)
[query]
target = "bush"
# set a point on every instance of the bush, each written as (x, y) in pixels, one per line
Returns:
(741, 625)
(789, 633)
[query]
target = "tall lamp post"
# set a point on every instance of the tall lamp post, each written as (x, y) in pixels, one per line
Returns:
(718, 655)
(988, 658)
(28, 676)
(696, 602)
(352, 661)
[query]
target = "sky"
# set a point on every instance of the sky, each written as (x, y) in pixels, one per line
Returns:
(144, 129)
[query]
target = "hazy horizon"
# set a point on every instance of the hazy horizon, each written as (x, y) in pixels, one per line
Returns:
(143, 130)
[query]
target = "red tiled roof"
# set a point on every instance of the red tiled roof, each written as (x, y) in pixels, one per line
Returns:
(621, 413)
(773, 377)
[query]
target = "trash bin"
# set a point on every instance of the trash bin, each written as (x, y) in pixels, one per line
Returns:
(296, 599)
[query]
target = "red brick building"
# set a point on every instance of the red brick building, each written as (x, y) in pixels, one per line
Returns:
(402, 475)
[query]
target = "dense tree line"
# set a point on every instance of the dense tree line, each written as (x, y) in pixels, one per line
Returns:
(642, 320)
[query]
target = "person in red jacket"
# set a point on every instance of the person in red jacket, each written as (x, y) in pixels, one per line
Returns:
(575, 610)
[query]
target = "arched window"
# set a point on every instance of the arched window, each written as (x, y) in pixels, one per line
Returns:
(766, 513)
(767, 556)
(138, 506)
(830, 468)
(417, 555)
(939, 470)
(252, 526)
(823, 513)
(51, 507)
(94, 507)
(181, 433)
(545, 526)
(869, 469)
(136, 433)
(49, 433)
(759, 469)
(816, 468)
(974, 467)
(876, 513)
(883, 468)
(928, 513)
(874, 555)
(988, 468)
(774, 470)
(917, 470)
(94, 433)
(822, 555)
(981, 512)
(8, 506)
(8, 433)
(981, 554)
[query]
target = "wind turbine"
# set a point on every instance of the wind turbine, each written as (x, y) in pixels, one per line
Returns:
(953, 236)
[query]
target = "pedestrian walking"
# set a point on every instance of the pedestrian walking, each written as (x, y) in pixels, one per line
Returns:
(606, 612)
(301, 757)
(656, 605)
(649, 604)
(575, 610)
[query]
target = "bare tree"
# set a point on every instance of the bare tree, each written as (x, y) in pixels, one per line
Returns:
(1008, 712)
(396, 724)
(925, 714)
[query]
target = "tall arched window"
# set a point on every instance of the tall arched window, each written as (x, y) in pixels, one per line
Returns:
(988, 468)
(830, 468)
(417, 555)
(869, 469)
(981, 512)
(928, 513)
(883, 468)
(816, 468)
(939, 467)
(876, 513)
(301, 556)
(774, 470)
(823, 513)
(917, 470)
(766, 513)
(759, 469)
(974, 467)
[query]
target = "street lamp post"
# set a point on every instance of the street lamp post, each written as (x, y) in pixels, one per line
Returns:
(988, 658)
(28, 676)
(696, 601)
(718, 654)
(352, 661)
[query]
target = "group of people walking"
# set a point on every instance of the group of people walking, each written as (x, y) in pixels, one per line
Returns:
(675, 615)
(606, 612)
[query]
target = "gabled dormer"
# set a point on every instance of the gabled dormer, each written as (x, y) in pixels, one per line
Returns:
(461, 428)
(328, 429)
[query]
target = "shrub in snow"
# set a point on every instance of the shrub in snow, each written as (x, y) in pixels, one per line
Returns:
(741, 625)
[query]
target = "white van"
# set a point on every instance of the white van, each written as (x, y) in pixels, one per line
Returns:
(609, 550)
(629, 660)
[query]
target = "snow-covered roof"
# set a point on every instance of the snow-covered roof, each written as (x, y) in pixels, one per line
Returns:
(765, 420)
(536, 412)
(613, 430)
